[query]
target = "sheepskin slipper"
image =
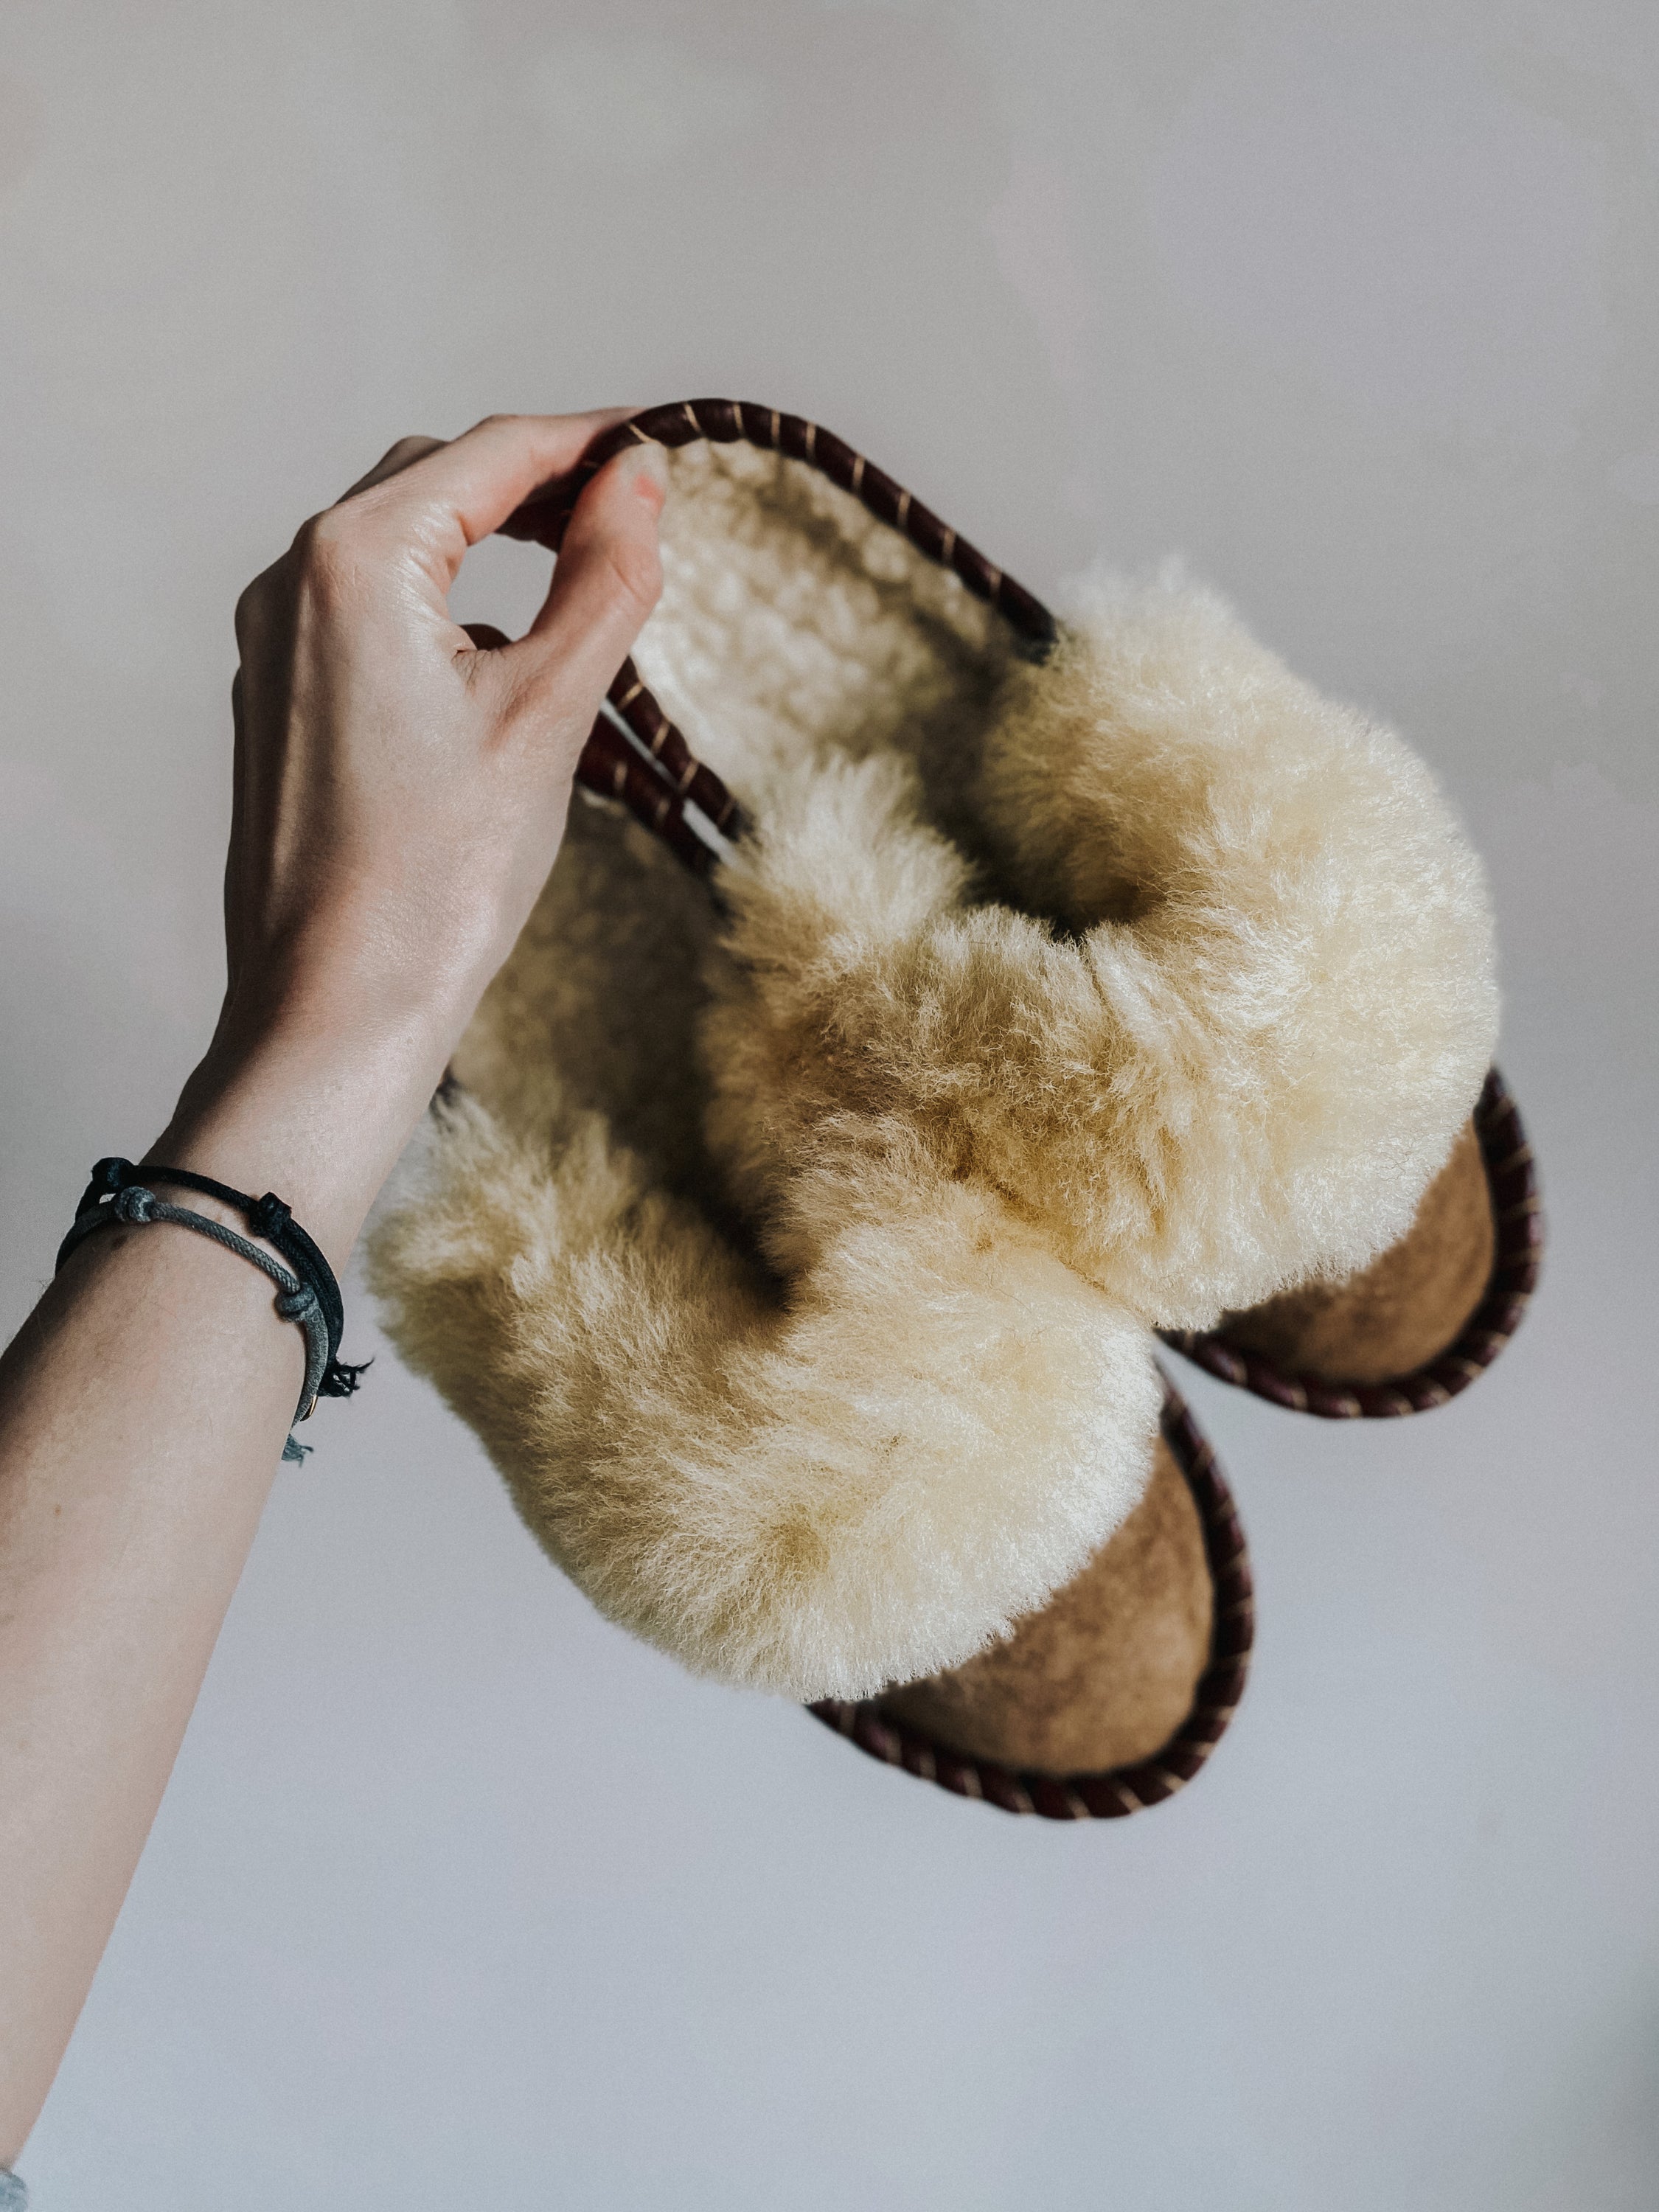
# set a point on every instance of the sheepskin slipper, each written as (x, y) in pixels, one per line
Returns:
(1425, 1320)
(1113, 1696)
(819, 1480)
(798, 1257)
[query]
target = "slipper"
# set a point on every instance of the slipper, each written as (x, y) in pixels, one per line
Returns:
(1421, 1322)
(1113, 1696)
(1406, 1332)
(797, 1252)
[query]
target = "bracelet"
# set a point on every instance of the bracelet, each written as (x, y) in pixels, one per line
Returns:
(309, 1296)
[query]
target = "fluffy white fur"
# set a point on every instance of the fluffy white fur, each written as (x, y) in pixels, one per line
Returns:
(801, 1282)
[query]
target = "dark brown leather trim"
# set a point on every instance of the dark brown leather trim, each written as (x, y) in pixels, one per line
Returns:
(674, 777)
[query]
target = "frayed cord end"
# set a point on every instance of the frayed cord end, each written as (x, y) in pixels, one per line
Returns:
(341, 1377)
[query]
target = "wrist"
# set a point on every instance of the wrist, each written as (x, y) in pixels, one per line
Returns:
(317, 1116)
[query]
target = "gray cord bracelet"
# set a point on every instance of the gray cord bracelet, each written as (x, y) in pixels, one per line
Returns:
(136, 1207)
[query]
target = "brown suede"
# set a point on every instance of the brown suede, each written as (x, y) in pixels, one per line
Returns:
(1402, 1309)
(1104, 1675)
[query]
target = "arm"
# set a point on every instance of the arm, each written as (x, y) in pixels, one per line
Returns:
(399, 797)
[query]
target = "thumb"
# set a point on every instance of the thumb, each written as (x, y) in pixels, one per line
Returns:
(605, 583)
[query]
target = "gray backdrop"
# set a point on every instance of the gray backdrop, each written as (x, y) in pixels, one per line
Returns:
(458, 1896)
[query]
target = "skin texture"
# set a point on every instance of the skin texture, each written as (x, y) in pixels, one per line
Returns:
(401, 789)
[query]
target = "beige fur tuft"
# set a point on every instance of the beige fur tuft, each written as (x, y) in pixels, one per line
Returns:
(819, 1490)
(1245, 1050)
(799, 1270)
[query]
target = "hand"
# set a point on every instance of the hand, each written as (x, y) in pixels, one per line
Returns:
(400, 792)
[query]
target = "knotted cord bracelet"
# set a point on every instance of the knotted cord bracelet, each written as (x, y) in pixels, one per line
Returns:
(309, 1296)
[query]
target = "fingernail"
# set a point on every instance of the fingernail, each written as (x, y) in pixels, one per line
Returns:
(645, 469)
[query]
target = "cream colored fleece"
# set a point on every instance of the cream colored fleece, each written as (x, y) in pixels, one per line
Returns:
(799, 1276)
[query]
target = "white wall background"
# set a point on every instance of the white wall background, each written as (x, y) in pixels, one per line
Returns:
(460, 1898)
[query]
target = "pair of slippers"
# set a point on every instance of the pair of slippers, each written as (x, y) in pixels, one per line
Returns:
(983, 1000)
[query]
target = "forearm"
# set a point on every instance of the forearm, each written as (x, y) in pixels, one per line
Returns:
(142, 1411)
(399, 796)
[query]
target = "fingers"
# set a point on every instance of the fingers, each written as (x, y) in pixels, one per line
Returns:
(395, 460)
(425, 502)
(606, 582)
(448, 496)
